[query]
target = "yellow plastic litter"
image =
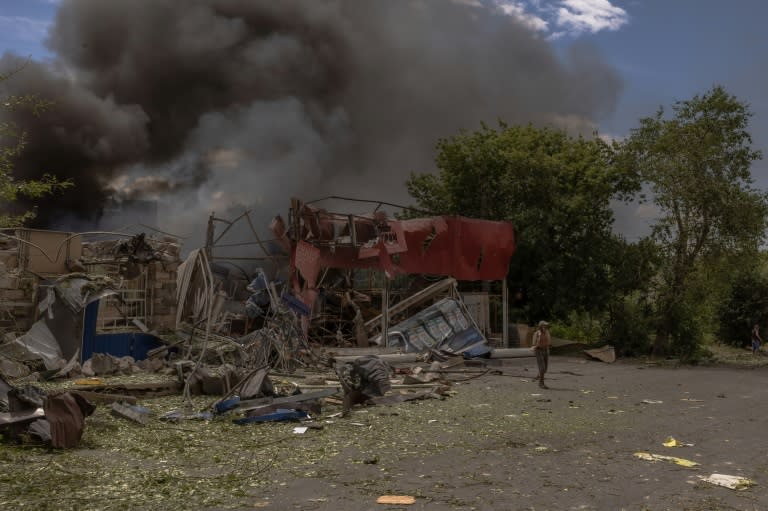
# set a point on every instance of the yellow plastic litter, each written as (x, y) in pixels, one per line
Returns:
(660, 457)
(671, 442)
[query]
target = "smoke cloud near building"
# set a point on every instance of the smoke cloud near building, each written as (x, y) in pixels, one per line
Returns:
(215, 105)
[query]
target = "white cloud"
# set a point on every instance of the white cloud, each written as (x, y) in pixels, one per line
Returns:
(24, 29)
(577, 16)
(565, 17)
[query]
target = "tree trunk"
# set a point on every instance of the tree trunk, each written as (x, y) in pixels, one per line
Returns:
(661, 342)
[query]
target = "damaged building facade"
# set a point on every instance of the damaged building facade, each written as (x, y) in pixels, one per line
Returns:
(73, 286)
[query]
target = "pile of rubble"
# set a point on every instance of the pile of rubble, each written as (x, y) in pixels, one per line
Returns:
(331, 292)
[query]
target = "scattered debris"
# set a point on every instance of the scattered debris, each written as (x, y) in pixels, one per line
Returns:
(605, 354)
(137, 414)
(671, 442)
(728, 481)
(99, 311)
(362, 379)
(281, 414)
(660, 457)
(396, 499)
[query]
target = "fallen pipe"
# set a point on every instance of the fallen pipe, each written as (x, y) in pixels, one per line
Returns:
(393, 358)
(512, 353)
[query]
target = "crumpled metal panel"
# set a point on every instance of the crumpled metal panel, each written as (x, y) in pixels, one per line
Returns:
(66, 414)
(463, 248)
(466, 249)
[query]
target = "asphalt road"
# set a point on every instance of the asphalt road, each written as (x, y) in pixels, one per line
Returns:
(501, 443)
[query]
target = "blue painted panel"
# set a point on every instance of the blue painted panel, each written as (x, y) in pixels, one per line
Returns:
(134, 344)
(90, 315)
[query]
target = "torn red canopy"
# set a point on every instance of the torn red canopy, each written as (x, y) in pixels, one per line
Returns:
(463, 248)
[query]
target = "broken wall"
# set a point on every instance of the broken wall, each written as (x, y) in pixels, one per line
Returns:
(147, 284)
(147, 290)
(17, 290)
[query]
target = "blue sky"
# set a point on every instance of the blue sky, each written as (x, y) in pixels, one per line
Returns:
(664, 50)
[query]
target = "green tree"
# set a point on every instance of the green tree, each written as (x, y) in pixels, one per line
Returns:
(555, 189)
(696, 166)
(12, 142)
(745, 304)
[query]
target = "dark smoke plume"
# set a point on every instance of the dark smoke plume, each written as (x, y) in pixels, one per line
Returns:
(211, 104)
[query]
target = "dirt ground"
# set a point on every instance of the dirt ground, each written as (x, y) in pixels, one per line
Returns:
(498, 443)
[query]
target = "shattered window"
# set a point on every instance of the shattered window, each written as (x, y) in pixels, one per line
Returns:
(456, 318)
(438, 328)
(419, 337)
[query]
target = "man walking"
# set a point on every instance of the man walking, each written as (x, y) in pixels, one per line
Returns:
(756, 339)
(541, 342)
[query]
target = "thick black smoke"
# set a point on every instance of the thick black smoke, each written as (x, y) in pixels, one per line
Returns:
(208, 104)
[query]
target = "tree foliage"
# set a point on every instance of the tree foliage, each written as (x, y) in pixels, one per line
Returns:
(697, 167)
(12, 142)
(555, 189)
(745, 305)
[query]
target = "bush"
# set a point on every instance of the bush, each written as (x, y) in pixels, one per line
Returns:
(746, 305)
(687, 334)
(629, 328)
(580, 327)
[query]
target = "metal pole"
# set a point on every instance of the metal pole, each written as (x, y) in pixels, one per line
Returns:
(384, 310)
(505, 313)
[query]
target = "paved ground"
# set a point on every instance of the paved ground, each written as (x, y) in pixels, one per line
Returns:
(498, 443)
(505, 444)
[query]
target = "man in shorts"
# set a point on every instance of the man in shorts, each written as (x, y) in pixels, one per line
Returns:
(541, 343)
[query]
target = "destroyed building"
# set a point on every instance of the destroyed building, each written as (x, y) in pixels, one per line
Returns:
(71, 286)
(323, 279)
(111, 303)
